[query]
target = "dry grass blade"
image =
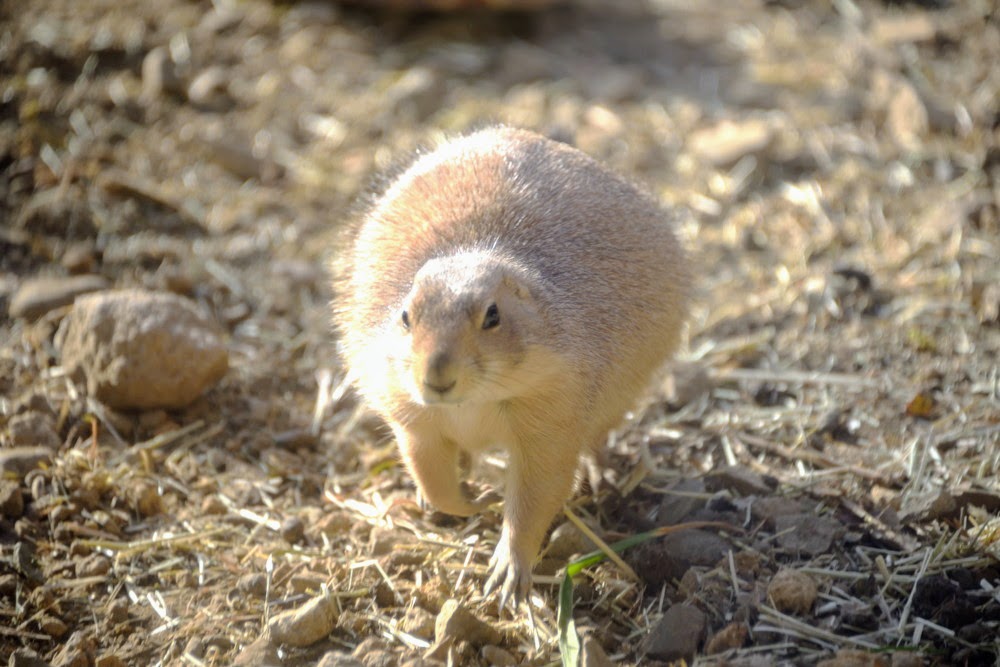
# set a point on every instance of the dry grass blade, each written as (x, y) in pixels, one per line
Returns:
(789, 625)
(139, 546)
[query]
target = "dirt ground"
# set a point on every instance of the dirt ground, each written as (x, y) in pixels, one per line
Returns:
(836, 171)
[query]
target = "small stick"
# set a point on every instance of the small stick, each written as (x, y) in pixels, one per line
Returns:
(601, 544)
(814, 458)
(794, 377)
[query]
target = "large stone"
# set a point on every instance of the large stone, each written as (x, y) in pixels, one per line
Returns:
(142, 350)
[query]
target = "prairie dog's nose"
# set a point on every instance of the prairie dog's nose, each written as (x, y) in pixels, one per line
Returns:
(440, 373)
(440, 389)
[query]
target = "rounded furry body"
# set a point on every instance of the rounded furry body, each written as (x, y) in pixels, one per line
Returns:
(507, 290)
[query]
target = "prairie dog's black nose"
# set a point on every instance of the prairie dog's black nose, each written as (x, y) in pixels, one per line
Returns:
(437, 365)
(440, 373)
(441, 389)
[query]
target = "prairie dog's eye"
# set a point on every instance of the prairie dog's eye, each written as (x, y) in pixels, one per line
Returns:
(492, 317)
(405, 319)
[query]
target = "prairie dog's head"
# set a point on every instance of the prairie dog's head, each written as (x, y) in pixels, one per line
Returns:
(465, 328)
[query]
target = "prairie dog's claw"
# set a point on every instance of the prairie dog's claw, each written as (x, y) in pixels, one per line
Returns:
(510, 574)
(486, 498)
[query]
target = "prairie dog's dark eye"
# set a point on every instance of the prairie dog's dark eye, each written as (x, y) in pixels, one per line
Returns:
(492, 317)
(405, 319)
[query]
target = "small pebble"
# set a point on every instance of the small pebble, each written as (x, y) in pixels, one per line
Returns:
(254, 584)
(52, 626)
(293, 530)
(497, 657)
(118, 611)
(456, 623)
(213, 505)
(306, 625)
(11, 500)
(94, 565)
(159, 74)
(210, 89)
(792, 592)
(676, 635)
(419, 622)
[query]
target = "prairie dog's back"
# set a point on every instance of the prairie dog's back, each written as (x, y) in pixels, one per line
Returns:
(615, 276)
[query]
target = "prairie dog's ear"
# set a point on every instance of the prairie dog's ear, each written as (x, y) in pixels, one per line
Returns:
(516, 286)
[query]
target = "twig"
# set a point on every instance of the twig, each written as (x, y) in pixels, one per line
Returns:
(601, 544)
(807, 631)
(794, 377)
(814, 458)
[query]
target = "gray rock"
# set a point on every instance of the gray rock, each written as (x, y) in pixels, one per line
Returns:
(141, 350)
(807, 533)
(37, 296)
(677, 635)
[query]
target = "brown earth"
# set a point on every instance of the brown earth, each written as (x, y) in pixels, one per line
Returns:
(836, 168)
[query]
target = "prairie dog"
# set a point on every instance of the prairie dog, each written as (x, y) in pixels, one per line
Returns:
(508, 291)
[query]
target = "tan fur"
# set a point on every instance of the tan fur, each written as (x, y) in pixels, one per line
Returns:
(591, 288)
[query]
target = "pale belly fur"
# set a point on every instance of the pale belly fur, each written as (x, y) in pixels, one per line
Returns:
(475, 427)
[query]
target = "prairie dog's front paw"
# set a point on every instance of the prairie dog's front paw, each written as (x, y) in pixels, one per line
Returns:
(456, 502)
(510, 572)
(487, 496)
